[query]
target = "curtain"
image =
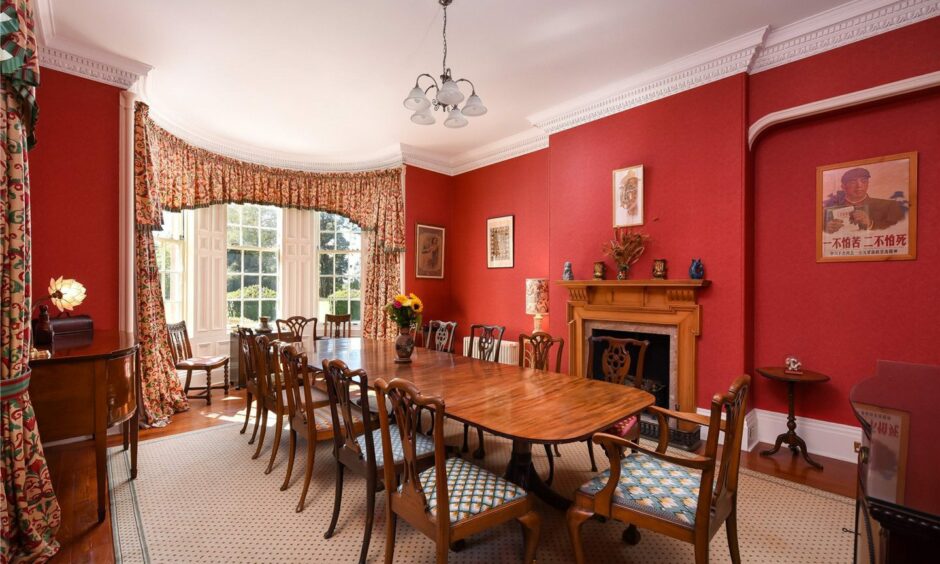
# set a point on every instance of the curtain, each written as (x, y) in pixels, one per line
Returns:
(30, 512)
(172, 175)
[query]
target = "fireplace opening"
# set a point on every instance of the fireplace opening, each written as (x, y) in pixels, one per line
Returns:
(656, 369)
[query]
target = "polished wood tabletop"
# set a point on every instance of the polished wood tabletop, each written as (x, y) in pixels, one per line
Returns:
(518, 403)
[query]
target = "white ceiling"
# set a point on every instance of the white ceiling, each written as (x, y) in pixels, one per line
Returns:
(327, 78)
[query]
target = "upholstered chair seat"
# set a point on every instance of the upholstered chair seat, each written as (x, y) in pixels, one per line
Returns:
(653, 486)
(423, 445)
(623, 428)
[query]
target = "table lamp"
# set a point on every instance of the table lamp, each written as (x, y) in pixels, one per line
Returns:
(536, 299)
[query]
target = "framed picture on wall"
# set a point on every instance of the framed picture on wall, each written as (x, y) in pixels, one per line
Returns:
(429, 251)
(628, 196)
(866, 210)
(499, 242)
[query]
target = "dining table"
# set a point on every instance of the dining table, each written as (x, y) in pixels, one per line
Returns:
(525, 405)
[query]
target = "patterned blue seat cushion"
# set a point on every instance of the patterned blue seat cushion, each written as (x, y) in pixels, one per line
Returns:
(471, 489)
(423, 445)
(653, 486)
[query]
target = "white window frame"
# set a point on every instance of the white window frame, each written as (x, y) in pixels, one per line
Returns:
(173, 236)
(278, 253)
(321, 312)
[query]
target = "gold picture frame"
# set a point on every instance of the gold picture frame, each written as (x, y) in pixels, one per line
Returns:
(628, 196)
(429, 251)
(866, 210)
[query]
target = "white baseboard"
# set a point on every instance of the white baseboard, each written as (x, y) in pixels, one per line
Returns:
(823, 438)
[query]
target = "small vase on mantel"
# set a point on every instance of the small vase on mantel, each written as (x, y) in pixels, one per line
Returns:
(623, 271)
(404, 345)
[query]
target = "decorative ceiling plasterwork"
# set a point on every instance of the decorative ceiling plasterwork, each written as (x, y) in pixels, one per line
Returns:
(840, 26)
(759, 50)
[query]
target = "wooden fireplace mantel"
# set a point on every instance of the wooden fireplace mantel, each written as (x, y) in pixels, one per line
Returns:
(644, 302)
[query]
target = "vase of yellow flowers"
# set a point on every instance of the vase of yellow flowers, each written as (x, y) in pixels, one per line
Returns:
(405, 311)
(625, 248)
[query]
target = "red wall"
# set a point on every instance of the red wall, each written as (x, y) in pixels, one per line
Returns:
(74, 191)
(518, 187)
(839, 318)
(428, 201)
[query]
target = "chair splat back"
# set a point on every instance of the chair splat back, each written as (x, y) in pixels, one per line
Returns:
(246, 357)
(179, 341)
(343, 385)
(406, 402)
(260, 347)
(535, 349)
(488, 342)
(440, 335)
(292, 329)
(616, 359)
(293, 375)
(336, 326)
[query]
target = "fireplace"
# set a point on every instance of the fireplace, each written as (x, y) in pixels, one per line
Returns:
(664, 312)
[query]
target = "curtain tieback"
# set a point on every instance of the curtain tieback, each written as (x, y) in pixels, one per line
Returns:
(15, 387)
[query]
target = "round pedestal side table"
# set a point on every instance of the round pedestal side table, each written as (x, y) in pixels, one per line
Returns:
(794, 441)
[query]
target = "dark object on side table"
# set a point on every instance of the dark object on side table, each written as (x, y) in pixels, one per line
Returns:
(47, 330)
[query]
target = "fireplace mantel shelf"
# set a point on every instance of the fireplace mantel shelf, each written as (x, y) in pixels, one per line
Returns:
(687, 283)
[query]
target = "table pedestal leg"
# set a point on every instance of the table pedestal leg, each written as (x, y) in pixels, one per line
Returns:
(522, 472)
(793, 440)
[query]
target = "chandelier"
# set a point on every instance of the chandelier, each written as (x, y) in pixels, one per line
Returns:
(447, 95)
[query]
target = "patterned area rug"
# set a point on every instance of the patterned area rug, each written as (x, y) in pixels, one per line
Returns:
(200, 498)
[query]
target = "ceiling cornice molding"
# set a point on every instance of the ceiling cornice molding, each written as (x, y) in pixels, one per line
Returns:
(80, 60)
(838, 27)
(415, 156)
(711, 64)
(502, 150)
(387, 158)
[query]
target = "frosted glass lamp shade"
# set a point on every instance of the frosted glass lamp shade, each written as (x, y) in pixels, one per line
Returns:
(450, 94)
(474, 106)
(536, 296)
(423, 117)
(416, 100)
(455, 119)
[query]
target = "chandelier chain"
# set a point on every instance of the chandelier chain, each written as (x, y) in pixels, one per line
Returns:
(444, 63)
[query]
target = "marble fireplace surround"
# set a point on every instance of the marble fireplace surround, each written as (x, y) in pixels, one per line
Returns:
(648, 306)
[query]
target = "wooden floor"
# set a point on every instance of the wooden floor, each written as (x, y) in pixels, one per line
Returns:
(83, 539)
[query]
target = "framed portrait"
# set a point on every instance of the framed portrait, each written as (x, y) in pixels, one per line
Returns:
(499, 242)
(429, 251)
(628, 196)
(867, 210)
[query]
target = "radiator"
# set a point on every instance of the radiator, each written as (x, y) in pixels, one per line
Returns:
(508, 351)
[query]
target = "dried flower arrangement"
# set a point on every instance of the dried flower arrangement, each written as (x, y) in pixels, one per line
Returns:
(625, 248)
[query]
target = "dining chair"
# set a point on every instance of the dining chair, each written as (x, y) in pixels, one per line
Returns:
(438, 336)
(615, 364)
(270, 396)
(675, 496)
(309, 417)
(535, 352)
(291, 330)
(360, 450)
(183, 359)
(452, 499)
(248, 373)
(336, 326)
(484, 347)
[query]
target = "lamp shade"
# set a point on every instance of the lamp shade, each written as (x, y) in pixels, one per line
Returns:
(455, 119)
(536, 296)
(474, 106)
(66, 293)
(416, 99)
(423, 117)
(449, 94)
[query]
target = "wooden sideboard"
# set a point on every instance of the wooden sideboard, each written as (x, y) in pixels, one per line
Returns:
(89, 384)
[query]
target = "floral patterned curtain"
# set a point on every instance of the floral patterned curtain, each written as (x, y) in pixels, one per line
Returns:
(30, 512)
(171, 174)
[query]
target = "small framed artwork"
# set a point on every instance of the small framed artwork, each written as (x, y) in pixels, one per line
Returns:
(499, 242)
(867, 210)
(887, 452)
(429, 251)
(628, 196)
